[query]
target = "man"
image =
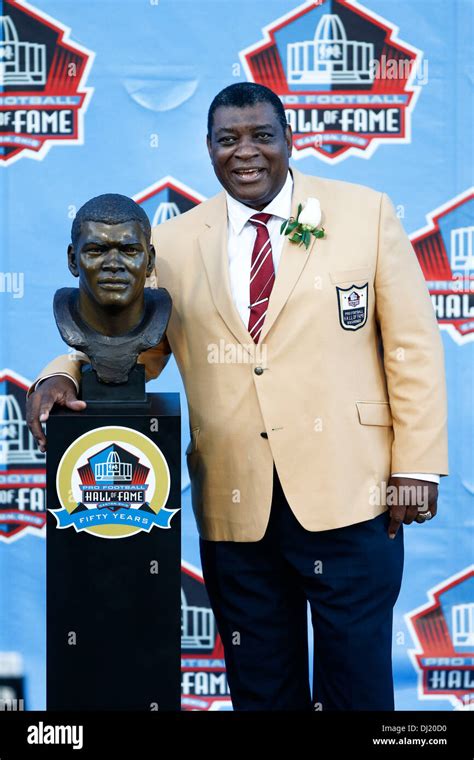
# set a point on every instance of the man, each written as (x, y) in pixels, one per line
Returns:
(291, 445)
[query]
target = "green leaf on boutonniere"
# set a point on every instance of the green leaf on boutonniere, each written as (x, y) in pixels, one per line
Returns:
(300, 233)
(288, 225)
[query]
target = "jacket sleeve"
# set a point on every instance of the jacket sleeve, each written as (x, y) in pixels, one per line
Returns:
(412, 352)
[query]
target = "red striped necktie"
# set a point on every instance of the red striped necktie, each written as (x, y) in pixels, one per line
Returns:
(262, 275)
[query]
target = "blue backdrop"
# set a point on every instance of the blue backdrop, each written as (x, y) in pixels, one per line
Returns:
(112, 96)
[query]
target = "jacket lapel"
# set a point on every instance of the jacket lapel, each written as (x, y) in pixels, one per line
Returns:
(292, 261)
(213, 248)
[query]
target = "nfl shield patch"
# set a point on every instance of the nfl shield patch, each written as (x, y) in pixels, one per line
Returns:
(352, 304)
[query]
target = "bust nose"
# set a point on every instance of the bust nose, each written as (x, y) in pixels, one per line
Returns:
(113, 260)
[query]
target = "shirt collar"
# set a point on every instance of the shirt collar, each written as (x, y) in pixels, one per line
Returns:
(238, 213)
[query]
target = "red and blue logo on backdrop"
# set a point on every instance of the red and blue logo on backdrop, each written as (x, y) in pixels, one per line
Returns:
(443, 630)
(345, 79)
(167, 198)
(445, 251)
(43, 96)
(22, 465)
(203, 676)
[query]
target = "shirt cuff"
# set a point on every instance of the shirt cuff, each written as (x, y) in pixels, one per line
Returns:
(56, 374)
(417, 476)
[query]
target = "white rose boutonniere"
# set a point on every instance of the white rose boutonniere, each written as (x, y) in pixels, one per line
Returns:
(306, 223)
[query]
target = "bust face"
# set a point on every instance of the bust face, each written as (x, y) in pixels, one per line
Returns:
(112, 262)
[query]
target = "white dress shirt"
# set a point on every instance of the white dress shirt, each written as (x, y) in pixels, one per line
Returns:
(241, 239)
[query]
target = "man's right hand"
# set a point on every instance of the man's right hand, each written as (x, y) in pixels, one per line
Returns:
(54, 390)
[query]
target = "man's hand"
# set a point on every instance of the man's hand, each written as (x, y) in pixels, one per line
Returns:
(55, 390)
(408, 499)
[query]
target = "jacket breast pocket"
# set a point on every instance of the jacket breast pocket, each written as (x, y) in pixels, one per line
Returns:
(350, 276)
(374, 413)
(193, 443)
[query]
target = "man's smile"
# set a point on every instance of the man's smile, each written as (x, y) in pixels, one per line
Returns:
(249, 174)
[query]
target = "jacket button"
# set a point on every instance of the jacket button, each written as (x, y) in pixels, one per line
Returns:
(258, 370)
(264, 435)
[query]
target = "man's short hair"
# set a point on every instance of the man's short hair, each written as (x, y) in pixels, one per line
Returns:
(243, 94)
(110, 208)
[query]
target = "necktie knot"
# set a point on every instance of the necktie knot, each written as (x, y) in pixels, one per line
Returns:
(258, 219)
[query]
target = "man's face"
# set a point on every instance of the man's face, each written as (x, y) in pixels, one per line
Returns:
(250, 152)
(112, 262)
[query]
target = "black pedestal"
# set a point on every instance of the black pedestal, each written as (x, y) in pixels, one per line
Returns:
(95, 392)
(113, 557)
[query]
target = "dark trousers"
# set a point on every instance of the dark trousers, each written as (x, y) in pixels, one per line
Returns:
(259, 592)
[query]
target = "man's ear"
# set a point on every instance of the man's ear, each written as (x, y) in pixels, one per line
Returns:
(208, 142)
(289, 139)
(151, 260)
(72, 260)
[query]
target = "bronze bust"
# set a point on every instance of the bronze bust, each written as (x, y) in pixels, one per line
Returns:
(111, 317)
